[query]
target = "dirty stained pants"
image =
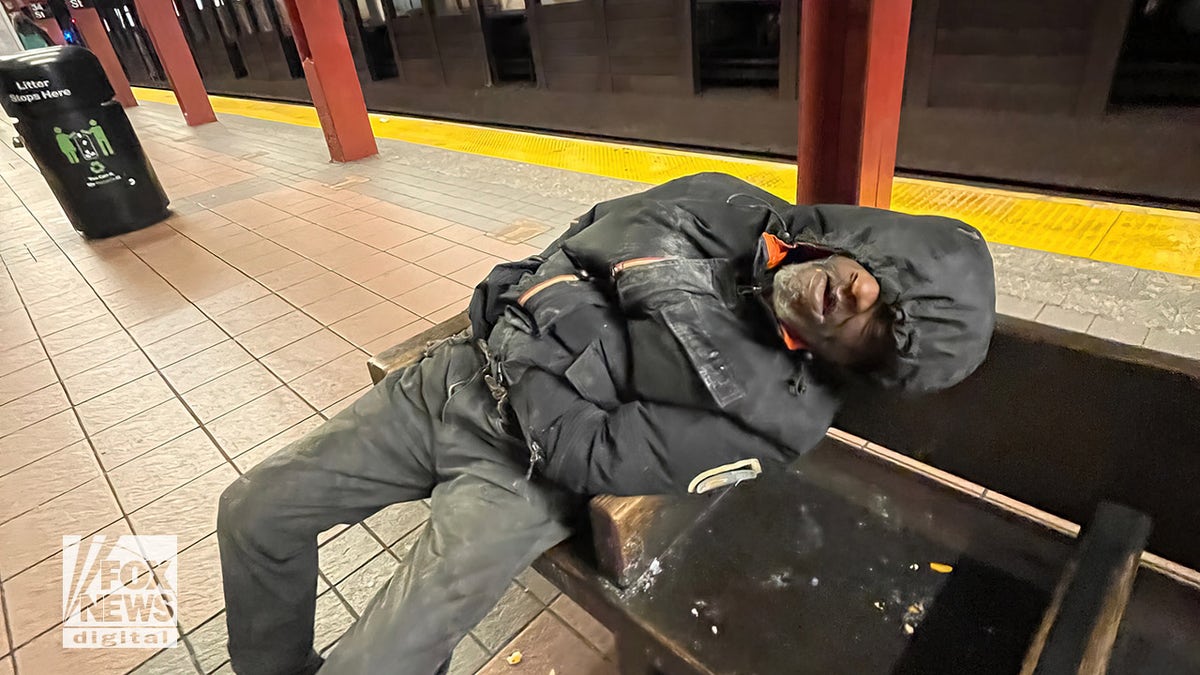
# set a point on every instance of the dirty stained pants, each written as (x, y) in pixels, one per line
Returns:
(428, 430)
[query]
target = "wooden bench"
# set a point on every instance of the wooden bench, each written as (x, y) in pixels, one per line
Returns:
(863, 560)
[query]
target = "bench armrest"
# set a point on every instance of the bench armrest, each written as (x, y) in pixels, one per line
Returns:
(410, 350)
(1080, 625)
(631, 533)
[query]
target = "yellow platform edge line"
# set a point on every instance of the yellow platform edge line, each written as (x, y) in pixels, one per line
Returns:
(1138, 236)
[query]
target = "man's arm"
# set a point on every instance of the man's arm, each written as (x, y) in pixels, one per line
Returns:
(508, 280)
(635, 448)
(745, 372)
(711, 215)
(723, 400)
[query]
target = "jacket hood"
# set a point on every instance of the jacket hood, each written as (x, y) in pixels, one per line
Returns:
(935, 273)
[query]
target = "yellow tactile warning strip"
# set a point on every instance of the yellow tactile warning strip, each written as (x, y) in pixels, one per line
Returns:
(1034, 222)
(1148, 238)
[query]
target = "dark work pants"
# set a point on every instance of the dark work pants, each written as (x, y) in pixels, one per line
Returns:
(428, 430)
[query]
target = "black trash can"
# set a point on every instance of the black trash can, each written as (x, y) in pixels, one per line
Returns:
(81, 139)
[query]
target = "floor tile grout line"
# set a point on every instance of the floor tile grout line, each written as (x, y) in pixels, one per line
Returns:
(154, 570)
(179, 397)
(387, 550)
(338, 592)
(8, 629)
(67, 394)
(480, 233)
(111, 389)
(238, 469)
(566, 622)
(289, 344)
(324, 266)
(39, 458)
(66, 293)
(79, 420)
(387, 547)
(215, 376)
(95, 457)
(189, 482)
(52, 498)
(450, 178)
(60, 623)
(187, 644)
(278, 294)
(75, 325)
(131, 513)
(150, 450)
(164, 337)
(202, 423)
(18, 397)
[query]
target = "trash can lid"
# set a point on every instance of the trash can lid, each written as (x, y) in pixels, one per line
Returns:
(41, 81)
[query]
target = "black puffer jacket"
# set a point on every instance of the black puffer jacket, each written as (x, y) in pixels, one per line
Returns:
(673, 374)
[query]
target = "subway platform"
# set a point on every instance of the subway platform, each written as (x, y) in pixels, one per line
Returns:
(140, 375)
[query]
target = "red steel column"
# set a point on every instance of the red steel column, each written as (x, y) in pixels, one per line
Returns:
(887, 52)
(87, 20)
(48, 24)
(852, 55)
(53, 30)
(158, 18)
(332, 79)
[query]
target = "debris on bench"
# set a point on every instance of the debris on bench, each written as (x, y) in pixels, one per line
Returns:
(630, 533)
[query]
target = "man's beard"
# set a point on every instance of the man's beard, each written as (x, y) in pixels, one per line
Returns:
(785, 288)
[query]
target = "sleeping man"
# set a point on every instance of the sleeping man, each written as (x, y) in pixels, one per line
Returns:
(672, 341)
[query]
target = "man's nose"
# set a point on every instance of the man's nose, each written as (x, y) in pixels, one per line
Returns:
(864, 292)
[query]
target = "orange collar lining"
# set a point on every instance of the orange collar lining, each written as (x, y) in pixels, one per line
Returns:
(777, 250)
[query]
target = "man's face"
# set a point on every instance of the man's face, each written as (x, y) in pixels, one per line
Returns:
(833, 305)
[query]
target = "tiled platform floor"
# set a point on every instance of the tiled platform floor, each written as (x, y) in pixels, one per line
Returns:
(140, 375)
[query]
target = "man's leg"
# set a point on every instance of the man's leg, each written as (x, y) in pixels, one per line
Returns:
(487, 525)
(375, 453)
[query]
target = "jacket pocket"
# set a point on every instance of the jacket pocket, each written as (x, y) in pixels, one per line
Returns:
(675, 360)
(647, 287)
(589, 375)
(552, 304)
(687, 324)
